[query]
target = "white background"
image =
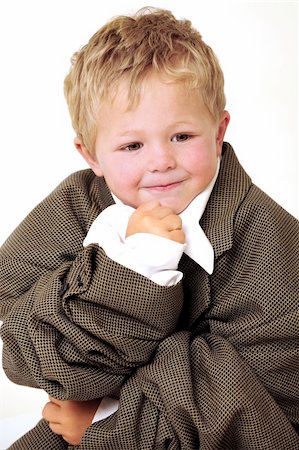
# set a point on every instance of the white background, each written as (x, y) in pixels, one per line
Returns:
(256, 42)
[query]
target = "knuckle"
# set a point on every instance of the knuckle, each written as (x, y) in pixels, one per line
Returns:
(147, 206)
(178, 236)
(44, 412)
(147, 222)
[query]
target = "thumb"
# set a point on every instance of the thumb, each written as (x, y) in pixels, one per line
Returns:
(148, 206)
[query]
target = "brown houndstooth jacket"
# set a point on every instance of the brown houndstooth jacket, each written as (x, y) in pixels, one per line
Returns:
(211, 363)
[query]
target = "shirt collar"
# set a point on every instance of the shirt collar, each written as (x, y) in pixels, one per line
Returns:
(198, 247)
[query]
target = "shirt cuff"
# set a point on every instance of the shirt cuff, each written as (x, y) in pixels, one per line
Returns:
(153, 256)
(106, 408)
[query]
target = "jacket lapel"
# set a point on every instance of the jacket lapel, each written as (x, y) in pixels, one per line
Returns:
(217, 222)
(230, 189)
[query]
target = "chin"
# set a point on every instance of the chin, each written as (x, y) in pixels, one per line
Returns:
(177, 209)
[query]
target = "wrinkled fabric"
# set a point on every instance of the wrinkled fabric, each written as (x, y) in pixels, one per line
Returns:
(211, 363)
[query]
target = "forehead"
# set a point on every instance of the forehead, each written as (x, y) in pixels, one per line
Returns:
(162, 107)
(129, 98)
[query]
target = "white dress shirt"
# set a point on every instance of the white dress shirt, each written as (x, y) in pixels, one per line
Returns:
(150, 255)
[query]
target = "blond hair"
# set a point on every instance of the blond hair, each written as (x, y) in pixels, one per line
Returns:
(129, 47)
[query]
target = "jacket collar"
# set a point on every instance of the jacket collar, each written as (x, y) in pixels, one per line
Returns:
(217, 222)
(230, 189)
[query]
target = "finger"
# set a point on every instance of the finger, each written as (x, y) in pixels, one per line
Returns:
(177, 236)
(154, 208)
(162, 212)
(55, 400)
(159, 212)
(172, 222)
(56, 428)
(51, 412)
(148, 206)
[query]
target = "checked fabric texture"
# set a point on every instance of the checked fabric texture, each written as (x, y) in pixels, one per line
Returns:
(211, 363)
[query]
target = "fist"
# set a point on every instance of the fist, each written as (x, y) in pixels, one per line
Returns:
(152, 217)
(70, 418)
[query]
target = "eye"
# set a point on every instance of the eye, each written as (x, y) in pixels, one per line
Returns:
(132, 147)
(181, 137)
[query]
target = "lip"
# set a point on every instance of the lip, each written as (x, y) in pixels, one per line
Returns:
(163, 187)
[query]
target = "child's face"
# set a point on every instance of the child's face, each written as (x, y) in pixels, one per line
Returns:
(164, 149)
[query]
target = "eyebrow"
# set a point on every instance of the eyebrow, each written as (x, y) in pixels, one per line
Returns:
(172, 125)
(182, 123)
(128, 132)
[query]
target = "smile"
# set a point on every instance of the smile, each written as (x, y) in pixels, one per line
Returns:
(163, 187)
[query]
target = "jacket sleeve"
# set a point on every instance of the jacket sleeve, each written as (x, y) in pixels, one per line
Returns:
(72, 317)
(231, 380)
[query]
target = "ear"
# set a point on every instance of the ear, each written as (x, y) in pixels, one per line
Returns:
(91, 160)
(223, 124)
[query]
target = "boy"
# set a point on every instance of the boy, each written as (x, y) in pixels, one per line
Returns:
(111, 289)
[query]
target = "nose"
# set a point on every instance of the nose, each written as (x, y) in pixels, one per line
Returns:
(161, 158)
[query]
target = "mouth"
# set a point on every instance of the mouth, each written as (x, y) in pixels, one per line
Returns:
(163, 187)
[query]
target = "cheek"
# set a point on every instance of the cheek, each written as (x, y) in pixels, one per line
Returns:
(200, 161)
(121, 173)
(201, 165)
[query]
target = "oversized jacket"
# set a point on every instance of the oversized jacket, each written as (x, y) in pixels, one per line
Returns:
(210, 363)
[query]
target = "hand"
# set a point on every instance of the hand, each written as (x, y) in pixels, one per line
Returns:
(152, 217)
(70, 418)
